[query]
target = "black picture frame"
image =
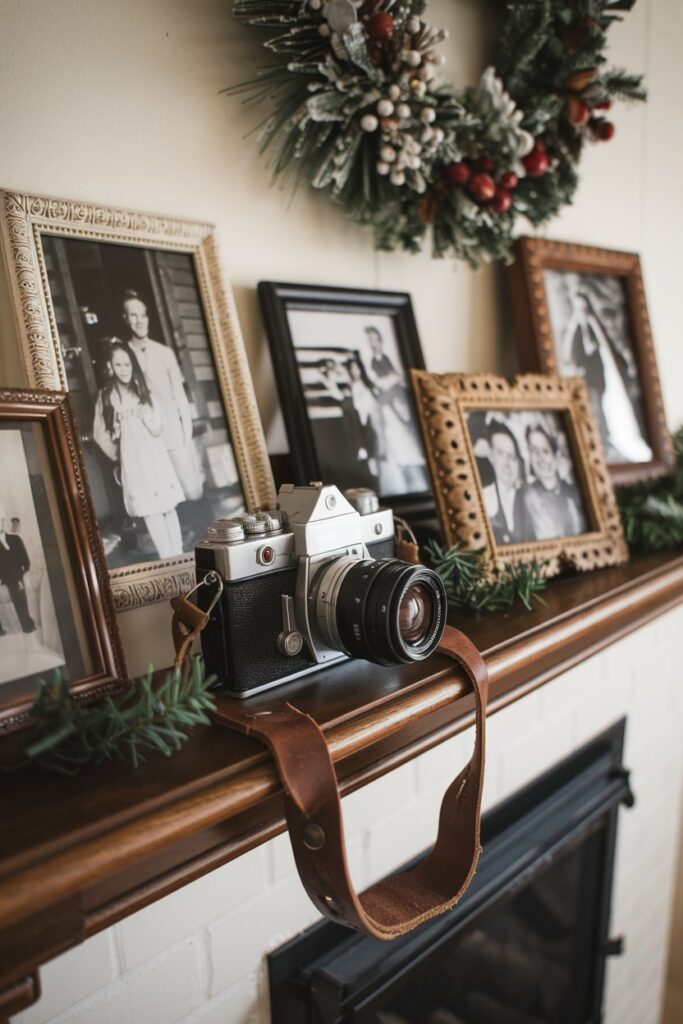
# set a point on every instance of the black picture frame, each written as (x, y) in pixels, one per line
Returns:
(277, 299)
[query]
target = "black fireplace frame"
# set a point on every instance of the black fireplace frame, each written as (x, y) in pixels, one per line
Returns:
(330, 975)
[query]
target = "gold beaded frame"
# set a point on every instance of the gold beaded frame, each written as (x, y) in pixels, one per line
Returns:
(443, 402)
(538, 346)
(24, 220)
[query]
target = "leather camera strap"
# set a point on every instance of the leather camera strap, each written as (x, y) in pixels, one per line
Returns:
(313, 810)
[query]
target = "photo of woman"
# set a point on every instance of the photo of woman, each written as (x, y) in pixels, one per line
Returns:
(592, 339)
(553, 502)
(128, 427)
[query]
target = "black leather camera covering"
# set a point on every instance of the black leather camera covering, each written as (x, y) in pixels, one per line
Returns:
(239, 643)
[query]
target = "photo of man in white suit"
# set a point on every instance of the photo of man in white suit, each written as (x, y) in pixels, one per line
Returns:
(165, 380)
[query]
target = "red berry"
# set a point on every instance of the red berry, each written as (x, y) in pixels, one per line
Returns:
(604, 130)
(508, 180)
(603, 105)
(483, 187)
(502, 201)
(380, 25)
(457, 174)
(486, 164)
(536, 162)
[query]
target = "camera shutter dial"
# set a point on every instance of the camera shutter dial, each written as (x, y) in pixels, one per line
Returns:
(253, 526)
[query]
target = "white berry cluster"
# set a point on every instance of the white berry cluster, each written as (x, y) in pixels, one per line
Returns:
(403, 116)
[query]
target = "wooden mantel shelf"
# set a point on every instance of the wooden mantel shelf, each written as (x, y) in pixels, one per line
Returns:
(79, 853)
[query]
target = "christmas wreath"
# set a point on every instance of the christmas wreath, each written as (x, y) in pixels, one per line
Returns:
(357, 111)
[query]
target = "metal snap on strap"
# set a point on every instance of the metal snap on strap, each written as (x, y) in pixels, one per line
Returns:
(313, 836)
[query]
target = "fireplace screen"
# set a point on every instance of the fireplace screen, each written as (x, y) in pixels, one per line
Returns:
(525, 960)
(526, 945)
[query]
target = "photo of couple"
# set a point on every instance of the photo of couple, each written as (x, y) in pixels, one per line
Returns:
(146, 396)
(32, 641)
(527, 475)
(358, 401)
(593, 340)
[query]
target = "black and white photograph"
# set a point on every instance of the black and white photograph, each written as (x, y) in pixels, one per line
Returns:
(37, 632)
(143, 383)
(593, 340)
(528, 480)
(342, 360)
(358, 399)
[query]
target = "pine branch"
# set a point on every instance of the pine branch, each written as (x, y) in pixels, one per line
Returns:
(473, 583)
(622, 85)
(652, 513)
(68, 735)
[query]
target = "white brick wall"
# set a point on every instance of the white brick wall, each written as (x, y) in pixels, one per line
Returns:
(197, 955)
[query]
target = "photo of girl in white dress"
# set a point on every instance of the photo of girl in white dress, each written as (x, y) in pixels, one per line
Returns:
(128, 428)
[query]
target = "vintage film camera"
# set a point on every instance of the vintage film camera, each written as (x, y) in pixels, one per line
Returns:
(309, 583)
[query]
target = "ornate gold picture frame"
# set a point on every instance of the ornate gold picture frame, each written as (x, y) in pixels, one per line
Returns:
(518, 469)
(130, 314)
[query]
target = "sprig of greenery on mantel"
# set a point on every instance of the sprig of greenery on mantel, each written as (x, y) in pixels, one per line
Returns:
(652, 512)
(68, 734)
(474, 584)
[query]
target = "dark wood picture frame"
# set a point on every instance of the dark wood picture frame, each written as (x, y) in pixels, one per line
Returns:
(537, 345)
(444, 402)
(276, 298)
(52, 412)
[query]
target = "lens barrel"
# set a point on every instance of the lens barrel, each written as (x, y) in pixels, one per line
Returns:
(386, 611)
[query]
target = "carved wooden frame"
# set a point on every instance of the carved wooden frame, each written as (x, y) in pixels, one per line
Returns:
(53, 411)
(442, 402)
(537, 348)
(22, 220)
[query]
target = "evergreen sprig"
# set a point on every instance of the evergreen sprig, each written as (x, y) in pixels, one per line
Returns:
(68, 734)
(652, 512)
(473, 583)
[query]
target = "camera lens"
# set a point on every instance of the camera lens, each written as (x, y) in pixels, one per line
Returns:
(415, 614)
(386, 611)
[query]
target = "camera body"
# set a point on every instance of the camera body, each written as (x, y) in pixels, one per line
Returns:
(271, 623)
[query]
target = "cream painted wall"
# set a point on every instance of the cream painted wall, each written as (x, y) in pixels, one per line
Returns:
(119, 102)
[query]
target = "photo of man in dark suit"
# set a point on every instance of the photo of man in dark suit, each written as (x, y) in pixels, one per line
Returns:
(14, 564)
(504, 496)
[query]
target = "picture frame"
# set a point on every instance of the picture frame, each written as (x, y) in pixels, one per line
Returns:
(56, 609)
(72, 270)
(346, 400)
(522, 456)
(582, 309)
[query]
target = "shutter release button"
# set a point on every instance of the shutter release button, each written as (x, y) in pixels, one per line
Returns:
(265, 555)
